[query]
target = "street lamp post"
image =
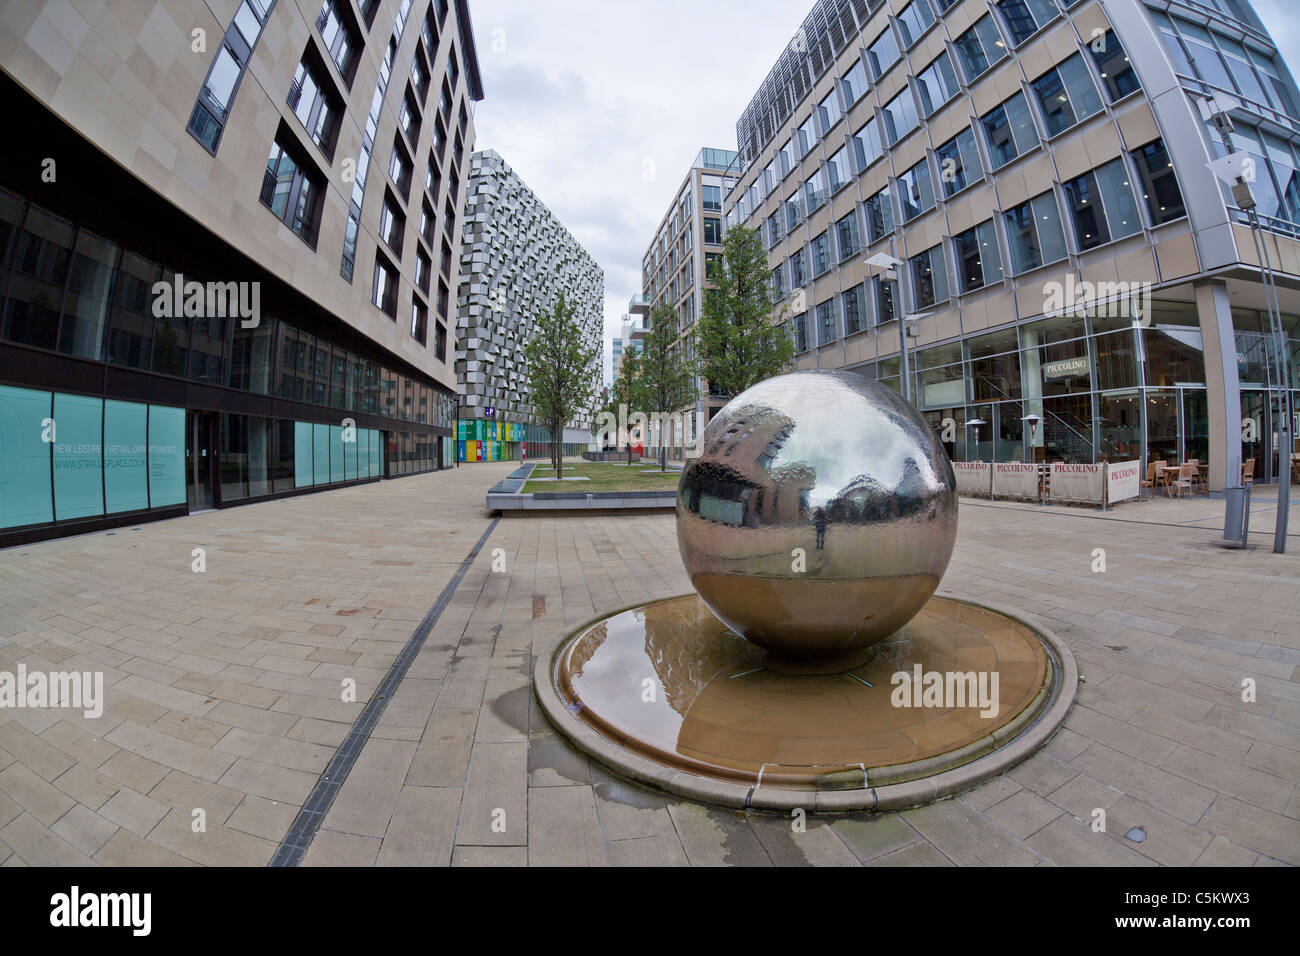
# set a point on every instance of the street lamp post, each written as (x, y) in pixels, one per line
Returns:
(888, 263)
(1237, 171)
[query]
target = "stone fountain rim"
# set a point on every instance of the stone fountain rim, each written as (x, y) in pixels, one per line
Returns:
(1013, 747)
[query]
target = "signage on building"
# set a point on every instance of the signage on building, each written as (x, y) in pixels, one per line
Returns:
(1066, 368)
(489, 412)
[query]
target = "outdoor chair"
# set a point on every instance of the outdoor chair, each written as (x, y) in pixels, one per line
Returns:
(1186, 477)
(1150, 480)
(1248, 472)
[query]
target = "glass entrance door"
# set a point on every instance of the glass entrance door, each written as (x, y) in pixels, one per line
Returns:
(200, 460)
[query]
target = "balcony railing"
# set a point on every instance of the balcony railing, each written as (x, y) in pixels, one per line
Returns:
(639, 304)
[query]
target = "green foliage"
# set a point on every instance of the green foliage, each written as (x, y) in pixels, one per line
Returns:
(740, 338)
(561, 371)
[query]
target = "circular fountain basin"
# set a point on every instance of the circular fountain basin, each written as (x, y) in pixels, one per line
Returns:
(664, 693)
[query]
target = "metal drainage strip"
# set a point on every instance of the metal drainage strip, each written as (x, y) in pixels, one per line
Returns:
(303, 830)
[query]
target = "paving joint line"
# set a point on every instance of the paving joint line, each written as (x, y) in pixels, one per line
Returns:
(308, 822)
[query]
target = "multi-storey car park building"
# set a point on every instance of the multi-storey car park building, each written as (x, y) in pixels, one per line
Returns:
(516, 260)
(676, 266)
(1016, 156)
(309, 154)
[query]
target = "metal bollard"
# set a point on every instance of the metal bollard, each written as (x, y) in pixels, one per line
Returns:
(1236, 514)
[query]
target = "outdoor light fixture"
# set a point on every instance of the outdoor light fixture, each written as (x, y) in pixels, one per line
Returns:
(976, 423)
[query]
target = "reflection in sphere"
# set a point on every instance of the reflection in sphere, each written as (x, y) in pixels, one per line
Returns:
(820, 514)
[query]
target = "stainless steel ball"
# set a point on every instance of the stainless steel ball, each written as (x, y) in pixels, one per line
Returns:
(819, 514)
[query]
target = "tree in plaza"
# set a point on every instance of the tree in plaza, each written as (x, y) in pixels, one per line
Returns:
(741, 339)
(664, 383)
(561, 372)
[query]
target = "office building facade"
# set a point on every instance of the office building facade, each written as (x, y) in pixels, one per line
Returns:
(517, 258)
(675, 267)
(1021, 191)
(228, 242)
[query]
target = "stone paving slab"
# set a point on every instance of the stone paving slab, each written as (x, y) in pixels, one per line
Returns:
(223, 692)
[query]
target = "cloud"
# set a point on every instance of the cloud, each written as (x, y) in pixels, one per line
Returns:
(583, 97)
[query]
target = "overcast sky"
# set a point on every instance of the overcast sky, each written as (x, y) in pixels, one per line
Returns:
(601, 107)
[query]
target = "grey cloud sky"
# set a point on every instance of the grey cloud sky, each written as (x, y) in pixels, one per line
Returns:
(580, 95)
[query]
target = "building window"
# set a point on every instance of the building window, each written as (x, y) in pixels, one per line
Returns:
(432, 179)
(807, 136)
(1024, 18)
(419, 321)
(423, 271)
(914, 20)
(880, 215)
(959, 162)
(854, 83)
(815, 191)
(846, 235)
(399, 168)
(409, 116)
(826, 322)
(778, 281)
(978, 262)
(900, 116)
(798, 270)
(866, 144)
(828, 111)
(838, 169)
(886, 299)
(1034, 233)
(385, 292)
(315, 103)
(440, 342)
(937, 84)
(773, 229)
(291, 188)
(208, 118)
(883, 53)
(420, 76)
(1066, 94)
(1009, 131)
(852, 300)
(821, 254)
(793, 215)
(1112, 63)
(392, 225)
(1159, 187)
(916, 192)
(426, 222)
(929, 277)
(712, 231)
(341, 36)
(1102, 206)
(980, 47)
(711, 198)
(787, 157)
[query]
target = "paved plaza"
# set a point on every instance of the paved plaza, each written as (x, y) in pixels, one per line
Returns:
(223, 691)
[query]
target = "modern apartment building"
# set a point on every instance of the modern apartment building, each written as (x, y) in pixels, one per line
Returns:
(1020, 190)
(675, 267)
(229, 237)
(517, 258)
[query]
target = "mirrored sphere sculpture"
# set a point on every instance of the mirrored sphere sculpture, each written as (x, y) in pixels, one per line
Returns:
(819, 514)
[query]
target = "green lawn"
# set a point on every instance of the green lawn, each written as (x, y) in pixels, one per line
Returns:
(602, 476)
